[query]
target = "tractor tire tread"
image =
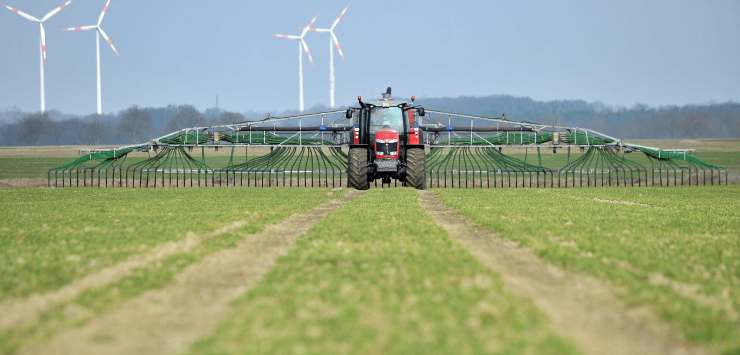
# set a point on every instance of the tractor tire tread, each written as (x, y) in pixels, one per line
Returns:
(416, 168)
(357, 169)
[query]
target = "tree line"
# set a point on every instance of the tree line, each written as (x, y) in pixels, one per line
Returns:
(716, 120)
(140, 124)
(132, 125)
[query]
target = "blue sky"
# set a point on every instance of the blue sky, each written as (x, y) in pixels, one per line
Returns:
(618, 52)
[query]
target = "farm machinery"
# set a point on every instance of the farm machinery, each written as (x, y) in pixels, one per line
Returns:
(386, 142)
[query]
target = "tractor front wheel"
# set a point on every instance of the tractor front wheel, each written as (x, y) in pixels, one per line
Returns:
(416, 168)
(357, 169)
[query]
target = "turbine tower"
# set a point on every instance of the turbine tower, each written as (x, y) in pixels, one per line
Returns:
(333, 42)
(98, 33)
(302, 47)
(42, 49)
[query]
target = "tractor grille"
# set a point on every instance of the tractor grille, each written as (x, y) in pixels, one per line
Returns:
(387, 165)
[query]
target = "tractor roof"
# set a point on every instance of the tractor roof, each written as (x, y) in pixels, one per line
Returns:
(387, 102)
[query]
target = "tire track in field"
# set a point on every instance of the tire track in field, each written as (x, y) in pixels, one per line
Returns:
(23, 182)
(19, 313)
(170, 319)
(579, 307)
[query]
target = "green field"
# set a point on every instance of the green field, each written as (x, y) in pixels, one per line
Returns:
(677, 250)
(376, 275)
(98, 228)
(349, 286)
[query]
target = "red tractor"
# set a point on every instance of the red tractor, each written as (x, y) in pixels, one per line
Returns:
(386, 143)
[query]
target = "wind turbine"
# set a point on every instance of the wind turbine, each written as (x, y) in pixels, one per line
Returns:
(42, 51)
(302, 47)
(333, 42)
(98, 33)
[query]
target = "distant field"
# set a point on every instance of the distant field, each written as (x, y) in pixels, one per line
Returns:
(701, 145)
(35, 162)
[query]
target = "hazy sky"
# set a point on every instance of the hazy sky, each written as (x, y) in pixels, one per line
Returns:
(618, 52)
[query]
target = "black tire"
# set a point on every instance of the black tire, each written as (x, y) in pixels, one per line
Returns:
(357, 169)
(416, 168)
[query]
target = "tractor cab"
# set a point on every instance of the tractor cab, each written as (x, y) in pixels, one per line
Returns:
(383, 133)
(386, 123)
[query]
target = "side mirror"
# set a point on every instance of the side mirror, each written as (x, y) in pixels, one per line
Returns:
(421, 111)
(348, 114)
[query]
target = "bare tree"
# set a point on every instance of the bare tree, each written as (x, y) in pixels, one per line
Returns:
(34, 129)
(135, 124)
(695, 125)
(229, 117)
(185, 116)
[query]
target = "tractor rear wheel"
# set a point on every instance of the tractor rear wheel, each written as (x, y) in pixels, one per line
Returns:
(357, 169)
(416, 168)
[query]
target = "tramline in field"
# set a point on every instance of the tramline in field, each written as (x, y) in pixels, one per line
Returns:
(386, 142)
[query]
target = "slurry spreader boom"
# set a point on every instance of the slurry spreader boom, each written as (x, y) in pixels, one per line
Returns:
(386, 142)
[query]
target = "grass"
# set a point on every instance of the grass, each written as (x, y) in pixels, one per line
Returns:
(95, 302)
(676, 250)
(378, 277)
(28, 167)
(350, 286)
(50, 237)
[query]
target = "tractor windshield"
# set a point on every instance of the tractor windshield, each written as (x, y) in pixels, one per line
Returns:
(386, 148)
(386, 117)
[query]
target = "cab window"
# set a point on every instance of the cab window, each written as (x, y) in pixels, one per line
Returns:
(386, 117)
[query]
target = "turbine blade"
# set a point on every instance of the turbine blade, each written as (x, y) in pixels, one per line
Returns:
(57, 10)
(43, 42)
(80, 28)
(309, 26)
(20, 13)
(339, 18)
(103, 12)
(107, 39)
(336, 44)
(304, 45)
(282, 36)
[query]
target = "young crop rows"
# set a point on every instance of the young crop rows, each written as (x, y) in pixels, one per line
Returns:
(275, 271)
